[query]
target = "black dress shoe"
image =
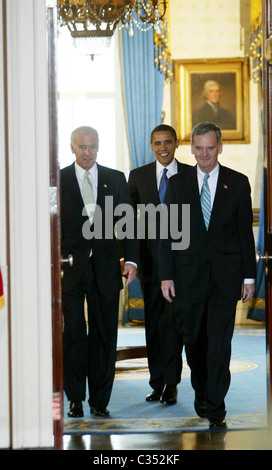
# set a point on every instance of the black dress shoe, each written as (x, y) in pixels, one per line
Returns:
(99, 411)
(76, 410)
(200, 408)
(155, 395)
(169, 395)
(218, 422)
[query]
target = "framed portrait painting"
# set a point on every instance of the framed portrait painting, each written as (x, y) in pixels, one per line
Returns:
(215, 90)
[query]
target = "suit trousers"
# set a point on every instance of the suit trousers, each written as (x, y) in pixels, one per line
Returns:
(89, 350)
(164, 353)
(207, 331)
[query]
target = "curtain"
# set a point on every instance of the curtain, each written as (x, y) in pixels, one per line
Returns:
(143, 86)
(143, 92)
(256, 310)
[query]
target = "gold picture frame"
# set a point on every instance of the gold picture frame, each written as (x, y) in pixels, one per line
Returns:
(189, 105)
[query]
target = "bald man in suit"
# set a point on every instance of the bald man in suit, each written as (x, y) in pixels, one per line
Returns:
(163, 353)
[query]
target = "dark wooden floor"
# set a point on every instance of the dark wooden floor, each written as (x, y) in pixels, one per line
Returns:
(216, 440)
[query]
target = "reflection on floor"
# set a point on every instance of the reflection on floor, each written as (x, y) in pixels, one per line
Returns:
(232, 440)
(258, 439)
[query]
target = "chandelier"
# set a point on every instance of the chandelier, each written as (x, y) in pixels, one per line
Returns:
(92, 23)
(89, 18)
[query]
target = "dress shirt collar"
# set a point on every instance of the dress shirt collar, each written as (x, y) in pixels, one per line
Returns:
(172, 168)
(92, 172)
(212, 181)
(213, 173)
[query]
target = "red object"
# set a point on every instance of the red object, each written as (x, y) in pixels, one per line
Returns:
(2, 300)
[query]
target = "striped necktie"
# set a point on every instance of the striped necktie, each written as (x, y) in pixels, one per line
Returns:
(163, 184)
(205, 199)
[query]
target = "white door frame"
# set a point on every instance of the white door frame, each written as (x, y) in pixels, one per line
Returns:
(29, 359)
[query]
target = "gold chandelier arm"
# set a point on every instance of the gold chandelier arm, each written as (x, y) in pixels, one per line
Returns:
(111, 12)
(98, 19)
(152, 9)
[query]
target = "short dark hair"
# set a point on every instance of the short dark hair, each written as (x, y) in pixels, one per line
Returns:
(164, 128)
(203, 128)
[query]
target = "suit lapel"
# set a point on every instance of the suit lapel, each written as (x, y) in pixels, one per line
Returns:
(152, 182)
(193, 189)
(220, 195)
(105, 187)
(74, 187)
(102, 186)
(195, 197)
(179, 166)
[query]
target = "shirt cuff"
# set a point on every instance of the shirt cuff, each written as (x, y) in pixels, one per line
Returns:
(131, 262)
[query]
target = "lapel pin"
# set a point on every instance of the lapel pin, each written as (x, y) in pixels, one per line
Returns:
(105, 185)
(225, 186)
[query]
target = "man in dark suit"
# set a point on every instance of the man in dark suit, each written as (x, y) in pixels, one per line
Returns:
(95, 274)
(206, 279)
(163, 353)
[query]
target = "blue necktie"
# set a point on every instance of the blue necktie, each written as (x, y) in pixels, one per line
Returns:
(163, 184)
(205, 199)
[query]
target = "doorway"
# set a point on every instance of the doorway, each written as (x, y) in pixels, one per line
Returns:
(270, 309)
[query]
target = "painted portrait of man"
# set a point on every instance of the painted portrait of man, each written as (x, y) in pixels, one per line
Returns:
(214, 102)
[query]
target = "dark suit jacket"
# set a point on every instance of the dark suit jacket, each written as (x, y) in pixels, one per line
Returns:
(223, 118)
(106, 252)
(226, 250)
(143, 190)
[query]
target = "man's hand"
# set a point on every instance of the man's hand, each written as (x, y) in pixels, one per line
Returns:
(168, 290)
(248, 291)
(130, 272)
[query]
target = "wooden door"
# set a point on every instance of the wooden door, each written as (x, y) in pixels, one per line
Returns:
(267, 121)
(55, 230)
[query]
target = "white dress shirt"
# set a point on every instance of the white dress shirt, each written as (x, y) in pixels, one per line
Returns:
(212, 181)
(93, 175)
(172, 170)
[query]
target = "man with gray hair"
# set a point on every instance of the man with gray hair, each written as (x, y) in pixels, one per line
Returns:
(212, 111)
(95, 275)
(204, 281)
